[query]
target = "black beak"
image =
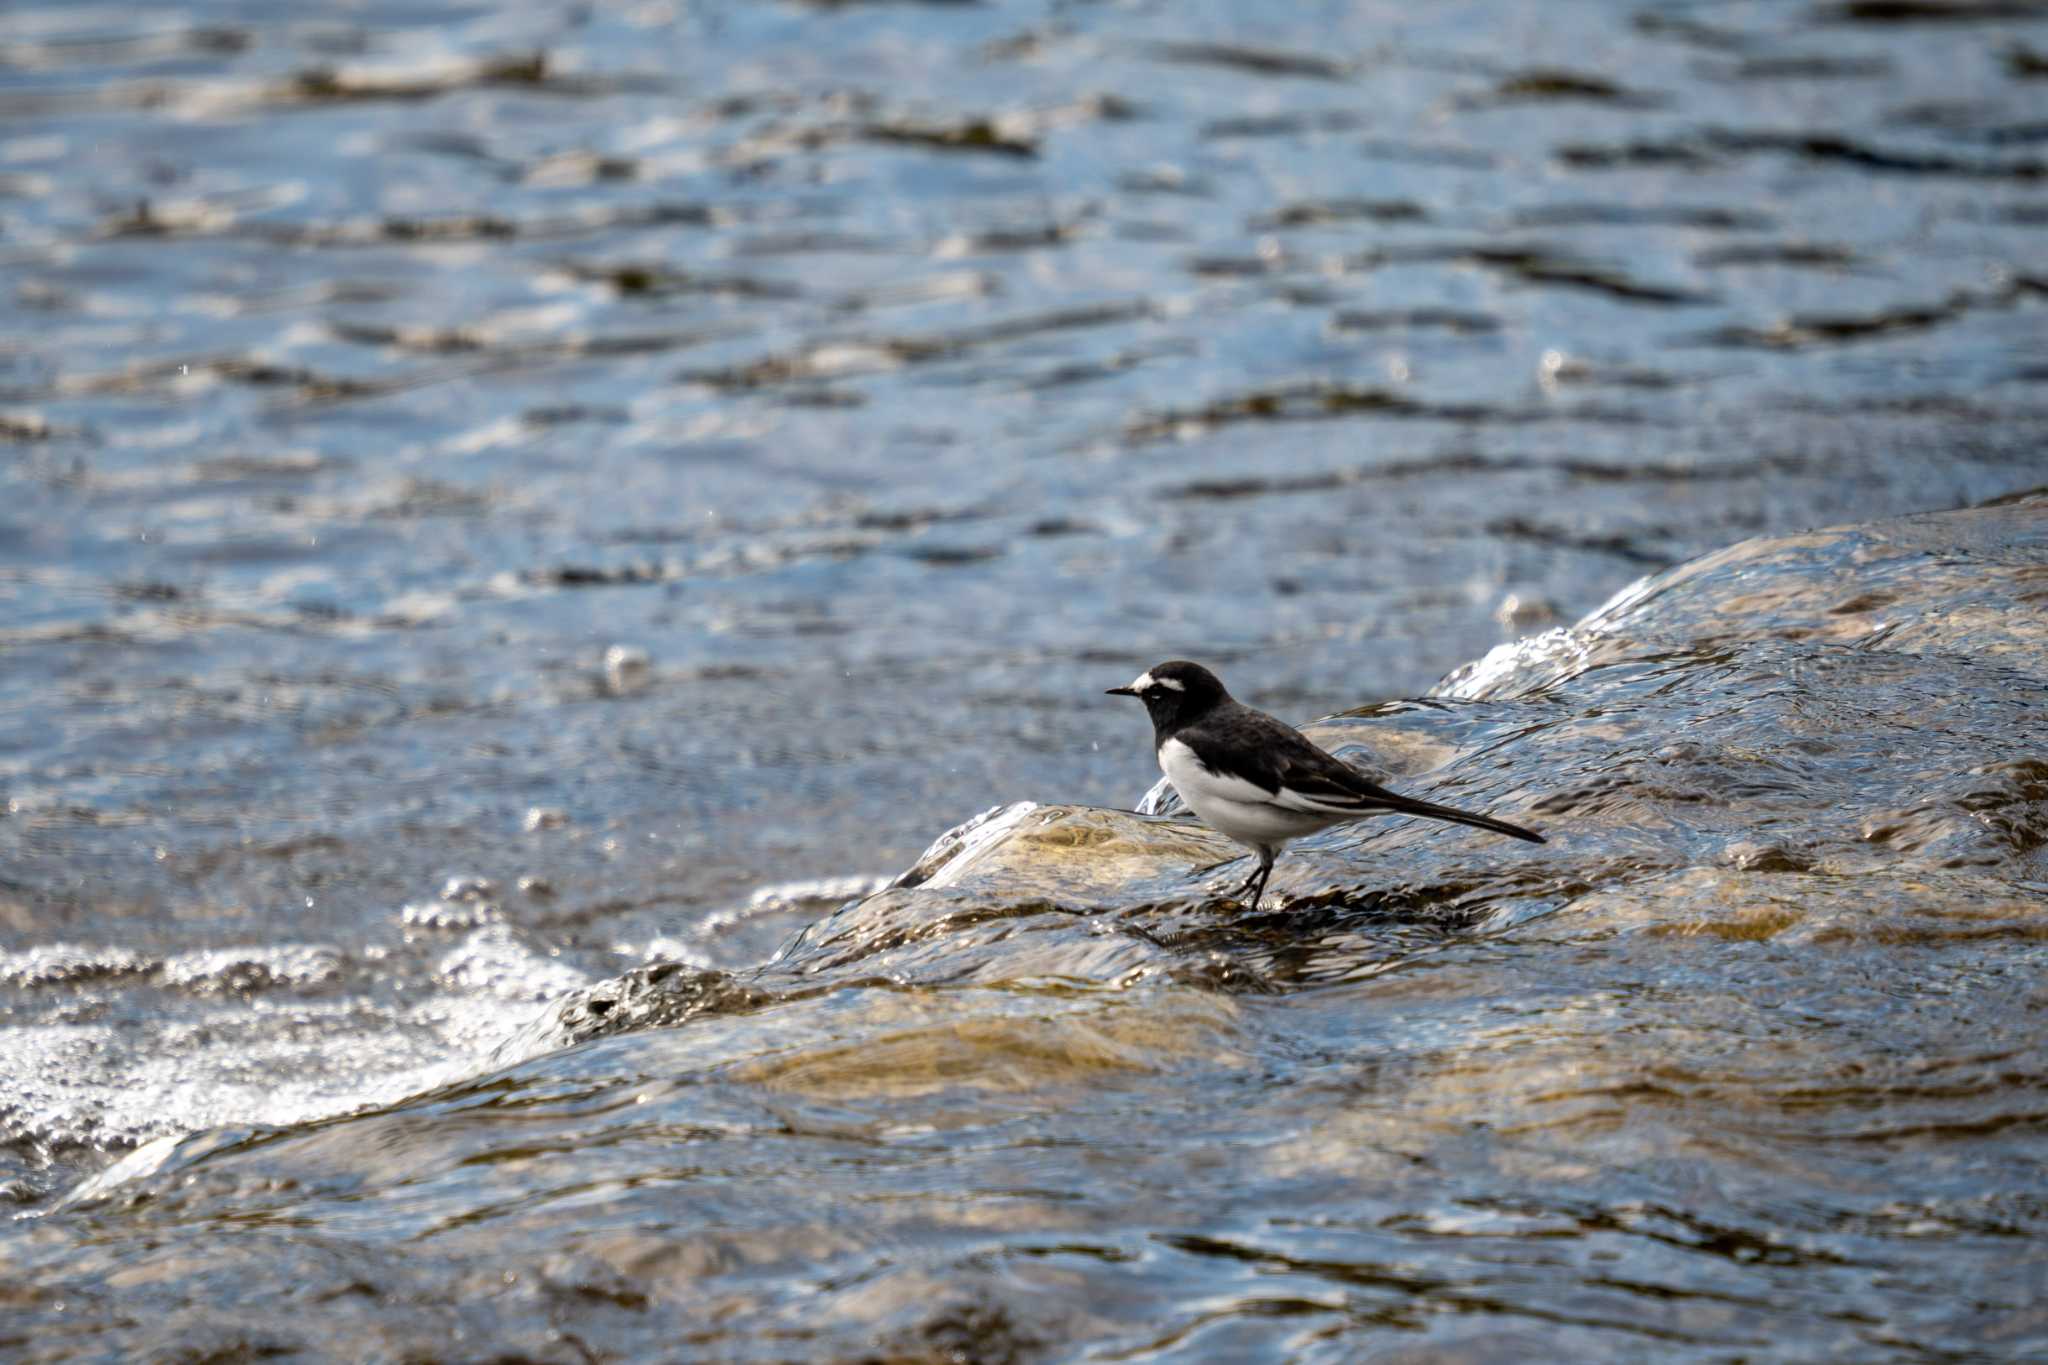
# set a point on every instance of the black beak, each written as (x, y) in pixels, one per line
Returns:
(1119, 692)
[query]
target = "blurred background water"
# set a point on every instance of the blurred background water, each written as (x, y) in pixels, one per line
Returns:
(501, 496)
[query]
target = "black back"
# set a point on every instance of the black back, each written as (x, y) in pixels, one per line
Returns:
(1228, 737)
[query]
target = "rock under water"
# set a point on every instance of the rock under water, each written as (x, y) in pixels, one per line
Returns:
(1747, 1058)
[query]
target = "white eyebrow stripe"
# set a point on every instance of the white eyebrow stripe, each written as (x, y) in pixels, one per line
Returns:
(1174, 683)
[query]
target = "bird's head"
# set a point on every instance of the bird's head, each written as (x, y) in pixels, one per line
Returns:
(1174, 691)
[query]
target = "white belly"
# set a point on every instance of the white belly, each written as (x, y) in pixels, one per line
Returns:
(1243, 810)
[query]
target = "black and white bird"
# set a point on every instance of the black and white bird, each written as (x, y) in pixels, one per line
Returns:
(1258, 779)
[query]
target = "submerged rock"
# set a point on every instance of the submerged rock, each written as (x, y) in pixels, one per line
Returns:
(1757, 1030)
(1717, 743)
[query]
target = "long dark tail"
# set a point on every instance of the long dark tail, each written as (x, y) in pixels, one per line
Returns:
(1408, 805)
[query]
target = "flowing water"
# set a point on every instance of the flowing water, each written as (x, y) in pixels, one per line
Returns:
(528, 532)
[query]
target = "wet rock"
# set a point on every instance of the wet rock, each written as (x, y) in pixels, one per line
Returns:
(1519, 612)
(468, 888)
(1791, 903)
(627, 668)
(252, 970)
(52, 964)
(1963, 584)
(465, 902)
(545, 817)
(665, 995)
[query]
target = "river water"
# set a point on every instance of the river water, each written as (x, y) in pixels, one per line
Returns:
(558, 565)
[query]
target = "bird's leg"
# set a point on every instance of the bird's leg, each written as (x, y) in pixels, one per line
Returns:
(1252, 880)
(1258, 877)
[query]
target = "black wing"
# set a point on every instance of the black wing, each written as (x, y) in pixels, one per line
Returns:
(1283, 761)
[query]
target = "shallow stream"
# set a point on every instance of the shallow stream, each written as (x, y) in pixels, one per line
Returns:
(523, 526)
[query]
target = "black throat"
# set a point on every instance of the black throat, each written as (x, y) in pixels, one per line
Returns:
(1173, 711)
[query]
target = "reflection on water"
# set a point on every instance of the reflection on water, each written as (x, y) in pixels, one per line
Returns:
(521, 523)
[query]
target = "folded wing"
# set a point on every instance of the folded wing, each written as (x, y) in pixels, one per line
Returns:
(1314, 781)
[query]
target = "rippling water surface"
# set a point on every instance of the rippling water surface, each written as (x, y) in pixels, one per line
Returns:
(519, 523)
